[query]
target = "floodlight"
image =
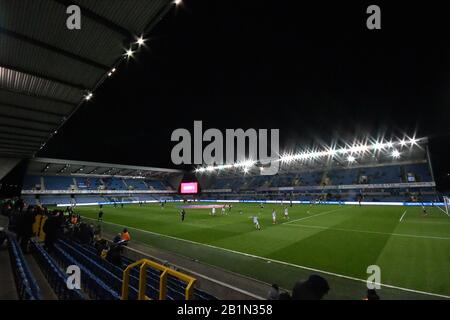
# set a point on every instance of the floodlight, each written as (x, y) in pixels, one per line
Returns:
(140, 41)
(395, 154)
(412, 141)
(129, 53)
(402, 142)
(351, 159)
(389, 144)
(378, 146)
(177, 2)
(88, 96)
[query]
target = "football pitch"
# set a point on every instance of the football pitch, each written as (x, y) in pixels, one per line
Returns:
(340, 242)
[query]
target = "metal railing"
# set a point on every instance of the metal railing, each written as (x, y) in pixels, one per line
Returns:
(165, 272)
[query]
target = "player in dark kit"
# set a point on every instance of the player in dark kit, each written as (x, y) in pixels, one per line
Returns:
(183, 213)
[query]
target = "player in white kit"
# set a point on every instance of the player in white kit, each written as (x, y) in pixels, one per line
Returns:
(256, 223)
(274, 217)
(213, 211)
(286, 213)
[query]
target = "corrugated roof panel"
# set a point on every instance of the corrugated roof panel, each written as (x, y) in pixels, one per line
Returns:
(6, 110)
(21, 82)
(23, 55)
(17, 137)
(117, 11)
(94, 41)
(45, 67)
(35, 103)
(27, 124)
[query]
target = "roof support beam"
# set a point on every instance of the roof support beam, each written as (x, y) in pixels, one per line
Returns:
(44, 45)
(31, 109)
(15, 146)
(28, 120)
(25, 128)
(39, 97)
(28, 137)
(21, 144)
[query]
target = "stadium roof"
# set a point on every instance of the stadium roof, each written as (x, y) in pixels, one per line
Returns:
(46, 166)
(47, 70)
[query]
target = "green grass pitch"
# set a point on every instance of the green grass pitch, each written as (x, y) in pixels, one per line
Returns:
(412, 250)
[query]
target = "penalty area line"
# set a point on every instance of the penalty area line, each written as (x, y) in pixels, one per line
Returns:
(314, 215)
(401, 218)
(277, 261)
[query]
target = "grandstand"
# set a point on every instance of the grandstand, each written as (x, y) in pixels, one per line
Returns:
(66, 183)
(374, 178)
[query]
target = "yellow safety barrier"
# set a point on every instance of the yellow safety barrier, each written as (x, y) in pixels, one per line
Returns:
(165, 271)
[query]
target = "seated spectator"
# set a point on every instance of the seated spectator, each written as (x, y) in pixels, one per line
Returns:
(125, 235)
(315, 288)
(117, 238)
(274, 293)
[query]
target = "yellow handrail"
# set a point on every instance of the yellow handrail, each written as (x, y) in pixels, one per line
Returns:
(165, 271)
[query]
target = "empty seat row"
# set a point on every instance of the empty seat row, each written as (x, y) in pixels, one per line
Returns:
(27, 287)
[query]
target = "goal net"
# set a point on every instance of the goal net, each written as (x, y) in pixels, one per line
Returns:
(443, 206)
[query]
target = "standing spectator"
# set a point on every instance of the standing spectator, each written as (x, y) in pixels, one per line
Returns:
(51, 229)
(315, 288)
(372, 295)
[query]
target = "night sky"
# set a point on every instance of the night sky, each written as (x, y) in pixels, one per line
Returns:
(313, 71)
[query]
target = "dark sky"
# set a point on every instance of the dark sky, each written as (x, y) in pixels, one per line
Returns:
(313, 71)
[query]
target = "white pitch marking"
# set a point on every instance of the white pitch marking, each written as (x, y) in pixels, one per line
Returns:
(278, 261)
(401, 218)
(315, 215)
(372, 232)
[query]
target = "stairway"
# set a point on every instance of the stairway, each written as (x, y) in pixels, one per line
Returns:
(46, 291)
(8, 286)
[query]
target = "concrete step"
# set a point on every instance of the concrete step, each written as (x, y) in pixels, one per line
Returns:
(8, 290)
(46, 291)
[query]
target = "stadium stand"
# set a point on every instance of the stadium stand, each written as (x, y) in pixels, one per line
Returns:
(101, 278)
(375, 182)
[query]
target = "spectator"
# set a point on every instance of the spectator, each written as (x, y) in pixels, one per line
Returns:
(117, 238)
(114, 255)
(274, 293)
(51, 229)
(372, 295)
(284, 296)
(315, 288)
(125, 235)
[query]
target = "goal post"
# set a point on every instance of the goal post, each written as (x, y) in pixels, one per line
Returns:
(444, 205)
